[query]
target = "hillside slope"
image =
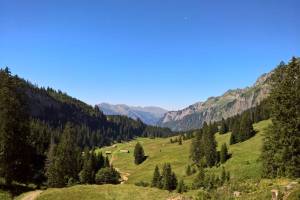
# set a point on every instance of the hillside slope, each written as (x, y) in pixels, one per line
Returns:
(149, 115)
(231, 103)
(106, 192)
(245, 162)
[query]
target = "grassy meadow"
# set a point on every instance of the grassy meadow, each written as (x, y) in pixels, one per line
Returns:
(244, 163)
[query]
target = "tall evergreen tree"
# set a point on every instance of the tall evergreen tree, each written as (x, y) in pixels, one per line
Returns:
(223, 153)
(66, 163)
(169, 180)
(196, 151)
(15, 151)
(282, 142)
(156, 180)
(200, 179)
(181, 188)
(139, 154)
(224, 127)
(246, 127)
(210, 146)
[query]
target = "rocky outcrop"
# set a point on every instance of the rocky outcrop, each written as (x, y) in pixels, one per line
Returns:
(231, 103)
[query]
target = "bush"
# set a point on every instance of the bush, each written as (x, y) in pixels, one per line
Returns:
(108, 175)
(142, 184)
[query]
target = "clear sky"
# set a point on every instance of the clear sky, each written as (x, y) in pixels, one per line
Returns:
(168, 53)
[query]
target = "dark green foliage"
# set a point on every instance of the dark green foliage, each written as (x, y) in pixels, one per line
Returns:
(188, 171)
(108, 175)
(156, 180)
(181, 188)
(106, 162)
(169, 180)
(242, 128)
(15, 151)
(87, 174)
(180, 140)
(224, 153)
(223, 127)
(139, 154)
(210, 145)
(282, 142)
(65, 164)
(199, 181)
(196, 152)
(142, 184)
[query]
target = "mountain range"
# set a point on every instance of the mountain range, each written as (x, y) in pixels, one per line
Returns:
(231, 103)
(149, 115)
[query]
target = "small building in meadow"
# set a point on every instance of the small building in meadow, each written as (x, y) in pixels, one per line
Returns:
(124, 151)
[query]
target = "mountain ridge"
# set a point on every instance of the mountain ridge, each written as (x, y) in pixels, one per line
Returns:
(232, 102)
(148, 114)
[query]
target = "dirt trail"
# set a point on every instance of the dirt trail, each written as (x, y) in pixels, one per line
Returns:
(32, 195)
(124, 175)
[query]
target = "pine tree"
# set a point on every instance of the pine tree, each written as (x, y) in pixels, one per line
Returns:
(282, 142)
(223, 176)
(15, 151)
(196, 151)
(188, 170)
(106, 162)
(200, 179)
(210, 147)
(234, 138)
(66, 165)
(246, 127)
(139, 155)
(156, 180)
(87, 174)
(180, 140)
(169, 180)
(181, 187)
(223, 153)
(223, 128)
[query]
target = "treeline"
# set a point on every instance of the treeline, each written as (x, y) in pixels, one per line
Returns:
(36, 117)
(67, 165)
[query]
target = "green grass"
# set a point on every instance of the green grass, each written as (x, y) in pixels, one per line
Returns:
(4, 195)
(244, 164)
(105, 192)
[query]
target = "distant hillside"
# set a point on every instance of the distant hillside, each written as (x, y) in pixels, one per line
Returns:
(149, 115)
(231, 103)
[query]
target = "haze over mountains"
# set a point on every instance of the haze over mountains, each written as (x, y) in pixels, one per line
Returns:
(149, 115)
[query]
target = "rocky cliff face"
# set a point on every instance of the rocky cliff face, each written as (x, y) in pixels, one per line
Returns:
(149, 115)
(229, 104)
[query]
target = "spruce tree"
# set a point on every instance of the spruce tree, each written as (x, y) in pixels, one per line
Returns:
(223, 128)
(210, 147)
(169, 180)
(156, 180)
(199, 181)
(281, 148)
(15, 151)
(188, 170)
(180, 140)
(223, 153)
(181, 187)
(66, 165)
(139, 155)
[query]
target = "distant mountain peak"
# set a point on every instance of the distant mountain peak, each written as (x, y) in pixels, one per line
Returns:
(148, 114)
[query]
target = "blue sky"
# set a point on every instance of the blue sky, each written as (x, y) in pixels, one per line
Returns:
(168, 53)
